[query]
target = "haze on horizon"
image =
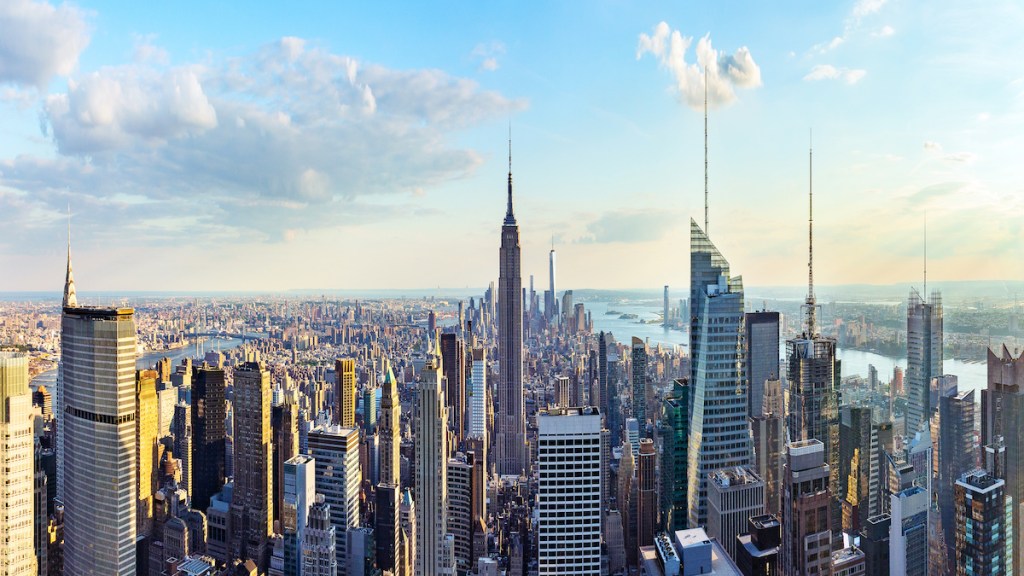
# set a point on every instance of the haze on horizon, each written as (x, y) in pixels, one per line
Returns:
(359, 147)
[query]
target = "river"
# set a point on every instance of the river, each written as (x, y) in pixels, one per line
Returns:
(971, 375)
(147, 360)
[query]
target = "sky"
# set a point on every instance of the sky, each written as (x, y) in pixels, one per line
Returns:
(274, 146)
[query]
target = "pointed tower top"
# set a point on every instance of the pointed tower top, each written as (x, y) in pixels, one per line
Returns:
(70, 297)
(924, 295)
(552, 242)
(811, 302)
(510, 217)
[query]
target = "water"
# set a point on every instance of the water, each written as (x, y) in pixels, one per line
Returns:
(147, 360)
(625, 329)
(971, 375)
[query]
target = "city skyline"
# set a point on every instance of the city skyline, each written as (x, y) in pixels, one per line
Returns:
(418, 122)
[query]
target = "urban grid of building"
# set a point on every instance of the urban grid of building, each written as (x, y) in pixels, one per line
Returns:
(502, 437)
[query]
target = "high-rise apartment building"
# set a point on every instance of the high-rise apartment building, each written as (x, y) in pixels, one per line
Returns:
(387, 529)
(674, 429)
(924, 357)
(389, 429)
(957, 455)
(735, 495)
(806, 521)
(569, 492)
(251, 506)
(345, 392)
(97, 424)
(460, 509)
(478, 395)
(511, 456)
(639, 362)
(17, 452)
(336, 451)
(432, 475)
(562, 391)
(209, 436)
(761, 331)
(453, 353)
(983, 527)
(1002, 411)
(719, 435)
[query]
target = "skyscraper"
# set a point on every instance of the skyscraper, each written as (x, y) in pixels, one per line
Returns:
(859, 475)
(569, 470)
(762, 352)
(983, 528)
(432, 475)
(453, 352)
(478, 395)
(209, 437)
(17, 525)
(336, 451)
(924, 357)
(1002, 411)
(551, 304)
(814, 382)
(299, 492)
(770, 445)
(956, 456)
(319, 545)
(510, 426)
(460, 509)
(647, 493)
(665, 318)
(908, 532)
(719, 434)
(387, 530)
(674, 430)
(389, 429)
(97, 423)
(806, 531)
(147, 453)
(284, 425)
(734, 496)
(639, 357)
(345, 392)
(251, 506)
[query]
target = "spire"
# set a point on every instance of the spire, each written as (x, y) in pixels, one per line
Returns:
(811, 303)
(510, 217)
(70, 298)
(924, 295)
(705, 149)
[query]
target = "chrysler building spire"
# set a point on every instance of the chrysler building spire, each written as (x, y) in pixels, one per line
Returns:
(70, 298)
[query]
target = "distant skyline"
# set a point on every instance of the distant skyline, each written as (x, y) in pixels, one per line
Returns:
(351, 147)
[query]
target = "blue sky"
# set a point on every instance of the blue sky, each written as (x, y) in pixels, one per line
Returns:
(327, 145)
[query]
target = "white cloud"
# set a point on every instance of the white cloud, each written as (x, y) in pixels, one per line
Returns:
(867, 7)
(961, 157)
(830, 72)
(932, 146)
(724, 73)
(487, 55)
(884, 32)
(265, 146)
(39, 41)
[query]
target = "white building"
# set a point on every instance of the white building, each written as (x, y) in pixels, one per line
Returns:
(336, 451)
(16, 461)
(569, 492)
(432, 557)
(478, 395)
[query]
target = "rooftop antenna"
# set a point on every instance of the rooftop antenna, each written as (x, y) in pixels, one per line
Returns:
(705, 150)
(925, 295)
(811, 300)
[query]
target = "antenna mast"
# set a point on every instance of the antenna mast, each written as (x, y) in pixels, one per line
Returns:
(925, 295)
(811, 301)
(706, 150)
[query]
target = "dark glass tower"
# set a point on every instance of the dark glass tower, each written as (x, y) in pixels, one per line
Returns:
(208, 434)
(510, 425)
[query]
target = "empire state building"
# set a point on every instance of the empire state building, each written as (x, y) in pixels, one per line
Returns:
(510, 437)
